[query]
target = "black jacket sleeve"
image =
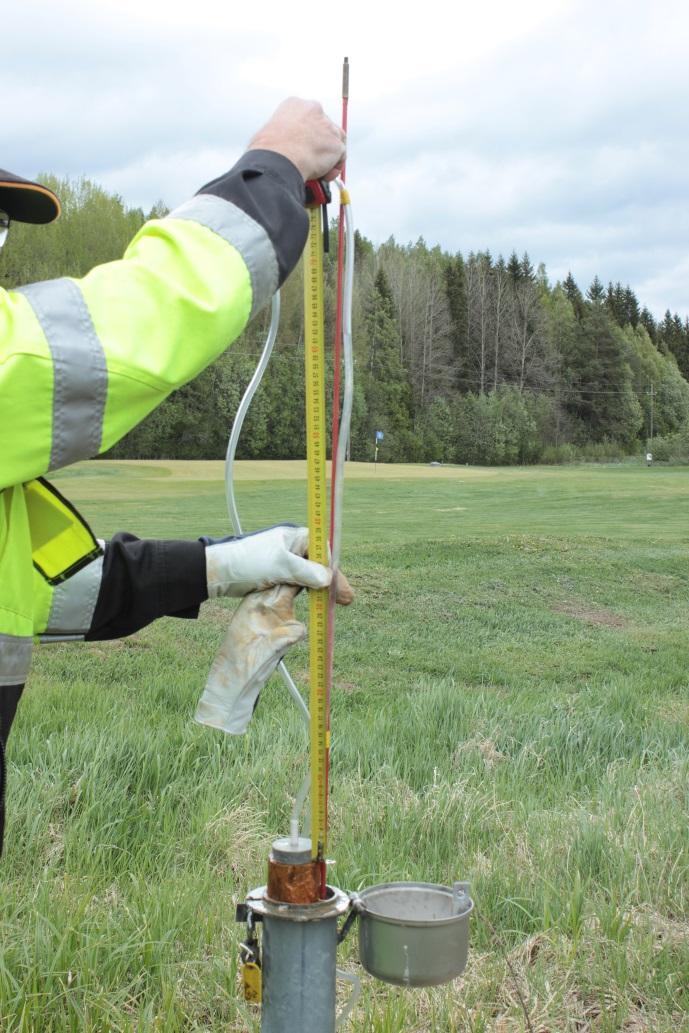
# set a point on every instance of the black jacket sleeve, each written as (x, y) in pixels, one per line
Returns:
(144, 579)
(270, 189)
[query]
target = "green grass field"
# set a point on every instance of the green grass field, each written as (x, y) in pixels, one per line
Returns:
(510, 707)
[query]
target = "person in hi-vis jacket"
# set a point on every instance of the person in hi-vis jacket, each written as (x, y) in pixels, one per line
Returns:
(83, 361)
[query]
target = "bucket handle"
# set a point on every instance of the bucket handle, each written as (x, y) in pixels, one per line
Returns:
(356, 907)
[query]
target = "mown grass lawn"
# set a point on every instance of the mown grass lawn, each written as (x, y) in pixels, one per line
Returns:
(510, 707)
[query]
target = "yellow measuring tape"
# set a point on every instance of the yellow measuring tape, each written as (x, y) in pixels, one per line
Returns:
(314, 335)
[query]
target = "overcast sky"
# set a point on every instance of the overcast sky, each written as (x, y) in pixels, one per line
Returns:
(558, 127)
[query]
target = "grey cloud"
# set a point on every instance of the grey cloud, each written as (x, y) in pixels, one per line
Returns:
(569, 142)
(104, 91)
(578, 155)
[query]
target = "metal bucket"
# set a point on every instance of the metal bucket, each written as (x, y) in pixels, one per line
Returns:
(414, 933)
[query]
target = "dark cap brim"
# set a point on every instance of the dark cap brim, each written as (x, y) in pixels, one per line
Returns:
(25, 201)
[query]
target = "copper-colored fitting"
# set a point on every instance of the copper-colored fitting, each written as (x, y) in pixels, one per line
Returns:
(294, 883)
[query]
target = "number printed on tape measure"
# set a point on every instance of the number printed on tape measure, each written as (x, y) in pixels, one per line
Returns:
(317, 518)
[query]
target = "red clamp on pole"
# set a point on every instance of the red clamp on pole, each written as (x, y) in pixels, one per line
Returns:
(318, 196)
(317, 193)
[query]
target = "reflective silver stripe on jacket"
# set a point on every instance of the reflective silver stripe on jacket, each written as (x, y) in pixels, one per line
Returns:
(15, 658)
(74, 601)
(80, 383)
(243, 233)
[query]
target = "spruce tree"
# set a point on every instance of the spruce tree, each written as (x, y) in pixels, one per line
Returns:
(387, 389)
(596, 292)
(456, 290)
(674, 337)
(363, 248)
(649, 324)
(526, 268)
(574, 295)
(601, 399)
(622, 304)
(612, 303)
(631, 304)
(514, 268)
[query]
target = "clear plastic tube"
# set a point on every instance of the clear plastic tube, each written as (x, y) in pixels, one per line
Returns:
(242, 410)
(247, 398)
(348, 977)
(299, 802)
(348, 392)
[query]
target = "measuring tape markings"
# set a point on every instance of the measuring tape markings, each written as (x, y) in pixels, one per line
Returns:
(318, 547)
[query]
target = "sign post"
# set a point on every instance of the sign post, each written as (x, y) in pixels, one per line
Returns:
(379, 437)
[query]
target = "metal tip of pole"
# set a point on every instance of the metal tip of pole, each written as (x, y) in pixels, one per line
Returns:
(345, 78)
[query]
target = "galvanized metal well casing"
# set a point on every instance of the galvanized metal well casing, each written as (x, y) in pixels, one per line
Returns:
(414, 933)
(299, 948)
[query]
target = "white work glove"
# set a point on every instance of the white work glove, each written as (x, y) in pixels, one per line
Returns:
(261, 560)
(262, 629)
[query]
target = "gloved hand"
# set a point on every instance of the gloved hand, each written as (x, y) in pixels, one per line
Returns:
(261, 560)
(261, 630)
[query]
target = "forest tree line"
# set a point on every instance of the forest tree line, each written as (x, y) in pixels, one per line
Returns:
(458, 358)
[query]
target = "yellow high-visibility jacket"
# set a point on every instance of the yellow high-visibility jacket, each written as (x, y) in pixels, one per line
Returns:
(83, 361)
